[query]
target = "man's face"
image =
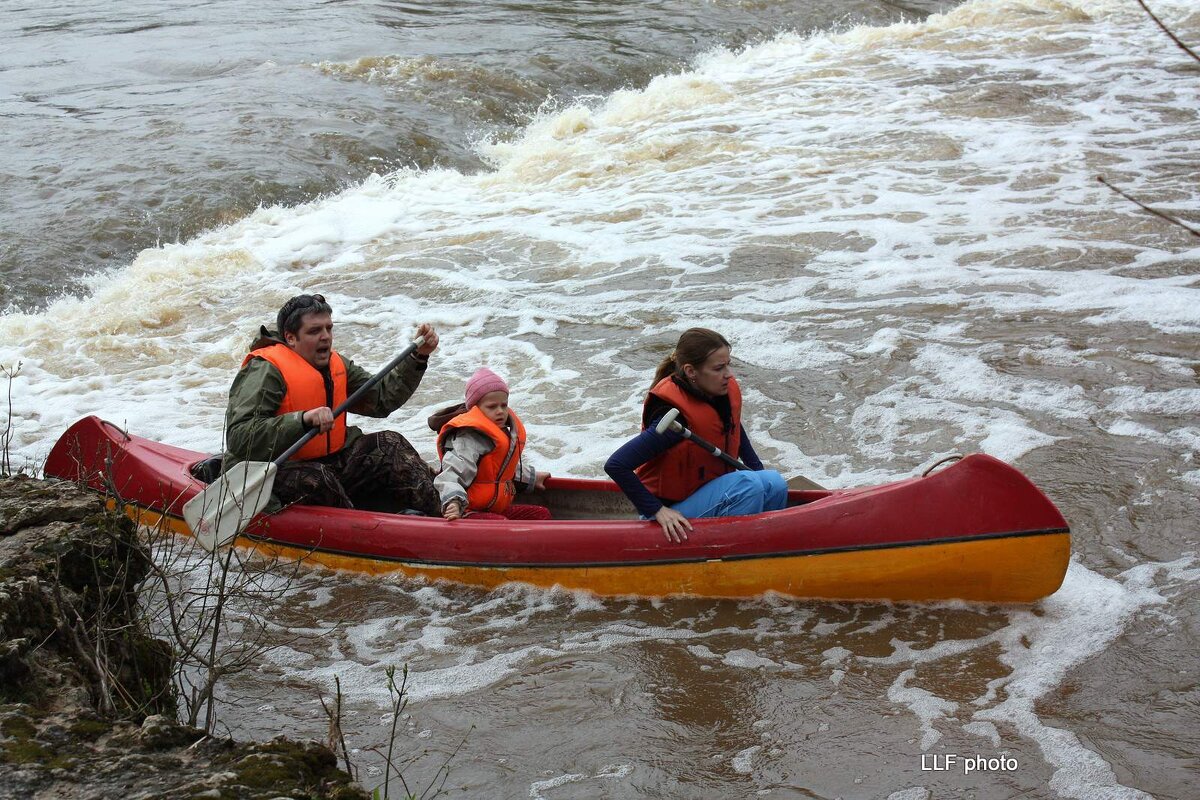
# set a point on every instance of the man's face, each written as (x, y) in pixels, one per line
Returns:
(314, 341)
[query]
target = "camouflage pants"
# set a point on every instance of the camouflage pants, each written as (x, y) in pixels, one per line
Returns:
(377, 472)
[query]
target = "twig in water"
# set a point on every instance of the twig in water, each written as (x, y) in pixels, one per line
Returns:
(399, 701)
(1147, 208)
(1168, 31)
(337, 738)
(7, 435)
(443, 772)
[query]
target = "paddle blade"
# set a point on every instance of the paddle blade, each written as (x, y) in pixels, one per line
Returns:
(218, 514)
(801, 482)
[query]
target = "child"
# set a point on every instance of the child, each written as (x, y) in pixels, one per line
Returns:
(480, 451)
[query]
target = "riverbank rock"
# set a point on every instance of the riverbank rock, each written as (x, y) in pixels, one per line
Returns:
(87, 709)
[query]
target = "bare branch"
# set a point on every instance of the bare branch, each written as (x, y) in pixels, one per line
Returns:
(1168, 31)
(438, 782)
(1147, 208)
(337, 737)
(215, 613)
(90, 653)
(7, 435)
(399, 702)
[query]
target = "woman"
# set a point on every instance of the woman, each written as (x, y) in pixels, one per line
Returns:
(670, 479)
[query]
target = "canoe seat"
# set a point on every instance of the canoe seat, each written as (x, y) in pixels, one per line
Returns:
(207, 470)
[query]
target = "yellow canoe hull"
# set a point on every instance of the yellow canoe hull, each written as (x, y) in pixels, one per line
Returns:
(1004, 569)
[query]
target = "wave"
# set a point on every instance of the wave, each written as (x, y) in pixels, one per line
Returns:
(430, 75)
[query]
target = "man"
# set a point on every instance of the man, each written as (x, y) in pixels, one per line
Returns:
(290, 382)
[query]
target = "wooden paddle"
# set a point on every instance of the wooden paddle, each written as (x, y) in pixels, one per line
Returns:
(218, 514)
(669, 422)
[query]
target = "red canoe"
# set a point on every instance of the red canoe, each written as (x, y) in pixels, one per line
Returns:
(978, 530)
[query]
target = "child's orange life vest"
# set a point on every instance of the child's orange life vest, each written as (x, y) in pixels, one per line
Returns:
(494, 487)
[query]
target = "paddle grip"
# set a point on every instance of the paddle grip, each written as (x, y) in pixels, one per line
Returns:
(352, 399)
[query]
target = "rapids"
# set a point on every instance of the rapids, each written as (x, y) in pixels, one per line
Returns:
(893, 215)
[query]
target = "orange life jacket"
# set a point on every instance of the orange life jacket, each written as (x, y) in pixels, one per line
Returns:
(304, 389)
(493, 488)
(681, 470)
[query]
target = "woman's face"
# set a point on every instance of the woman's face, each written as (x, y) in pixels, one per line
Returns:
(711, 377)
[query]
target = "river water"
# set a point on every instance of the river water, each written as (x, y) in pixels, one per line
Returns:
(892, 212)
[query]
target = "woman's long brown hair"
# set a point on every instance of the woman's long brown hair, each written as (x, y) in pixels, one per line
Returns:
(694, 347)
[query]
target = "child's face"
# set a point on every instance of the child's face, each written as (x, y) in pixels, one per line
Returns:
(494, 406)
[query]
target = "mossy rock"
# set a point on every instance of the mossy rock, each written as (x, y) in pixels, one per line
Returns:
(89, 729)
(160, 732)
(285, 766)
(27, 502)
(63, 554)
(14, 725)
(20, 743)
(25, 752)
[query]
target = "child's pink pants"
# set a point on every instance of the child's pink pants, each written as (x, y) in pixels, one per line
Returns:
(513, 512)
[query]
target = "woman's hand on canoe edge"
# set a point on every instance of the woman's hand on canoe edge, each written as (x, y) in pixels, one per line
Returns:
(674, 525)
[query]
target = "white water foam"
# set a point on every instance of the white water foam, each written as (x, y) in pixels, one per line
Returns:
(606, 773)
(743, 762)
(925, 704)
(436, 632)
(913, 793)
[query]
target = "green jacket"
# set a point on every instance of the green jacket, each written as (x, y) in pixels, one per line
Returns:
(253, 431)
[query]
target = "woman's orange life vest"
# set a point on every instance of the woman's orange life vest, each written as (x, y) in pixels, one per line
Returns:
(304, 389)
(681, 470)
(493, 488)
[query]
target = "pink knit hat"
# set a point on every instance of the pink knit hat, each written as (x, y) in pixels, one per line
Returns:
(482, 382)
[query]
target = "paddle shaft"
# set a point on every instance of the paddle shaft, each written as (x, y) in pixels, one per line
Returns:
(352, 399)
(673, 424)
(669, 421)
(712, 448)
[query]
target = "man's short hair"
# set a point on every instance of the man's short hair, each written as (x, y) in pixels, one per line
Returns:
(292, 313)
